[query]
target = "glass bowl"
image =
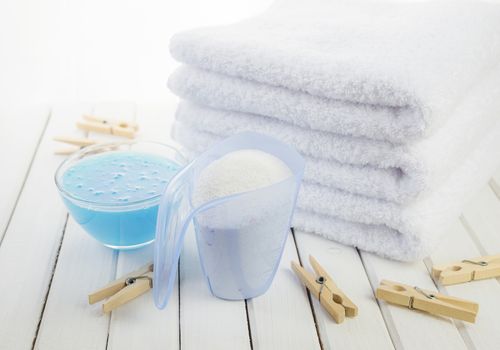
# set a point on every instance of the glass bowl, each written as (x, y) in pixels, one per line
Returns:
(104, 188)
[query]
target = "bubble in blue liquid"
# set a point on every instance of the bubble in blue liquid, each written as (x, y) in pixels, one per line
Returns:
(118, 178)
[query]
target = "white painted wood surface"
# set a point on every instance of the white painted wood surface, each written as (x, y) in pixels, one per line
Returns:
(411, 329)
(484, 333)
(51, 264)
(20, 132)
(282, 317)
(32, 241)
(346, 268)
(67, 299)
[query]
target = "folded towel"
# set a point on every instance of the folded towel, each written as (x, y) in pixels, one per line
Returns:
(394, 124)
(421, 57)
(398, 173)
(428, 219)
(399, 232)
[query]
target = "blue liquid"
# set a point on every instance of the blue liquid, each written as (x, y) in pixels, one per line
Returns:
(109, 185)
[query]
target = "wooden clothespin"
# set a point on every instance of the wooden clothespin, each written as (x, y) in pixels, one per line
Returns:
(324, 289)
(468, 270)
(75, 141)
(108, 126)
(124, 289)
(432, 302)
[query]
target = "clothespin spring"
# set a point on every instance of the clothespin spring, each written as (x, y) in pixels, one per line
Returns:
(480, 263)
(321, 281)
(133, 279)
(412, 299)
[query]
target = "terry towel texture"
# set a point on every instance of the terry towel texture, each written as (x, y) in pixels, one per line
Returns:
(421, 57)
(388, 103)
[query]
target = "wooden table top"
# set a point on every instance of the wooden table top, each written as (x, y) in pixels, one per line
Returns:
(48, 265)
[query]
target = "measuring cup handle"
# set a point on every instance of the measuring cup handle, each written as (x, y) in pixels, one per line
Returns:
(174, 217)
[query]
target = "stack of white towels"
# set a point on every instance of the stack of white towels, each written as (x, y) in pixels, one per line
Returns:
(395, 107)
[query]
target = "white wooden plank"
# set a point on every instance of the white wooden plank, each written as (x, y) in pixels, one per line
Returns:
(206, 321)
(282, 317)
(20, 134)
(484, 333)
(367, 330)
(84, 265)
(411, 329)
(32, 241)
(482, 217)
(138, 324)
(68, 319)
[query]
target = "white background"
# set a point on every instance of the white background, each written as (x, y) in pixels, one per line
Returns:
(55, 51)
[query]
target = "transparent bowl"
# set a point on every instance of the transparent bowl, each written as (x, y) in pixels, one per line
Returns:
(126, 225)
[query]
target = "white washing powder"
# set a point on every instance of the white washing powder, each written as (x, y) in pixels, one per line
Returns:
(239, 171)
(240, 241)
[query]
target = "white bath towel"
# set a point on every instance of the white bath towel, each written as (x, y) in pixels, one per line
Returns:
(397, 173)
(394, 124)
(403, 232)
(421, 57)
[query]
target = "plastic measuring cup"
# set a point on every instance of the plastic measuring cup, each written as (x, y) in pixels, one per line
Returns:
(240, 237)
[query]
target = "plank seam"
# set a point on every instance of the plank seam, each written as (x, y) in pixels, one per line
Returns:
(311, 305)
(40, 319)
(458, 324)
(495, 186)
(40, 138)
(113, 277)
(384, 310)
(472, 235)
(179, 302)
(248, 325)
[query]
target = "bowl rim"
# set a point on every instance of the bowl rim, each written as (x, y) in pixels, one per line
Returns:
(110, 206)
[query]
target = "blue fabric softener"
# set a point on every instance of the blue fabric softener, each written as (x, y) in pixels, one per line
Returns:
(114, 195)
